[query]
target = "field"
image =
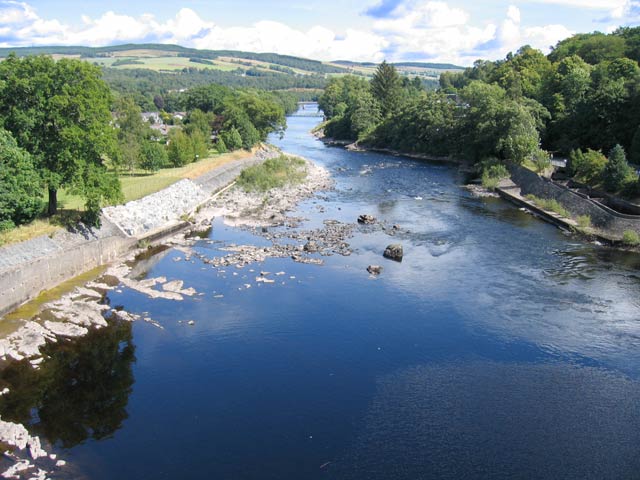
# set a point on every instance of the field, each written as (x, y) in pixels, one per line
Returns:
(160, 57)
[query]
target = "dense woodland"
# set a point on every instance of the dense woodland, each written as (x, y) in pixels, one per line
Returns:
(145, 85)
(582, 100)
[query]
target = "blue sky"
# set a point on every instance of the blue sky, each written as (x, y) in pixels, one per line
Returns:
(456, 31)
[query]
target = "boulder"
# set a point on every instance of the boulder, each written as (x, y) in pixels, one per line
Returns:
(394, 252)
(374, 269)
(311, 246)
(366, 219)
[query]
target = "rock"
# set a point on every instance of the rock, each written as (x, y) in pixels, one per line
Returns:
(366, 219)
(374, 269)
(311, 246)
(394, 252)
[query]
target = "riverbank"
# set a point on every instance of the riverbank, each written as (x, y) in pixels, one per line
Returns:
(84, 309)
(608, 228)
(41, 263)
(356, 147)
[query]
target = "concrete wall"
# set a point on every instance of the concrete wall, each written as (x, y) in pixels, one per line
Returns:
(39, 264)
(601, 216)
(25, 282)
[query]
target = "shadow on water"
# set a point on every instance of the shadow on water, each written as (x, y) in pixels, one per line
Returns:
(79, 393)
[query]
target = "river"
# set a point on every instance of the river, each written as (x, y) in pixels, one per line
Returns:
(500, 347)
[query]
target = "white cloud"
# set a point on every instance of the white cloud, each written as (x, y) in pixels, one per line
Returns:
(414, 30)
(593, 4)
(432, 30)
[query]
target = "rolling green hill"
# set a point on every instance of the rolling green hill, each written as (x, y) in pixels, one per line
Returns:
(161, 57)
(146, 71)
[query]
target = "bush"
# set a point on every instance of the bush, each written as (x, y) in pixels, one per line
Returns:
(550, 204)
(631, 238)
(273, 173)
(584, 221)
(588, 166)
(541, 160)
(492, 175)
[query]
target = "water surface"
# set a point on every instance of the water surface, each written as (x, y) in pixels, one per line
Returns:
(498, 348)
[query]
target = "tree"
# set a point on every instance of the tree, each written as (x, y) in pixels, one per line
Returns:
(153, 156)
(232, 139)
(586, 166)
(199, 121)
(20, 185)
(180, 148)
(617, 169)
(221, 147)
(385, 87)
(199, 145)
(59, 113)
(158, 101)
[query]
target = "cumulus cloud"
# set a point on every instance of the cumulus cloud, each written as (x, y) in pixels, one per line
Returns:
(432, 30)
(400, 30)
(20, 25)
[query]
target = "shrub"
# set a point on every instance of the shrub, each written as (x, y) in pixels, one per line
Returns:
(550, 204)
(584, 221)
(541, 160)
(587, 166)
(631, 238)
(492, 175)
(273, 173)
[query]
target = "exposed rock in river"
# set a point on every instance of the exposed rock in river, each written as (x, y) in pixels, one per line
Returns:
(374, 269)
(366, 219)
(394, 252)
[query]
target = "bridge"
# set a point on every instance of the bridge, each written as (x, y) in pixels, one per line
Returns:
(308, 109)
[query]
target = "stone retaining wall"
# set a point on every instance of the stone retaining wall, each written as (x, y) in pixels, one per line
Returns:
(601, 216)
(27, 280)
(27, 268)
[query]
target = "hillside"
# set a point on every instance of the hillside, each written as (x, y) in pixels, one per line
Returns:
(173, 58)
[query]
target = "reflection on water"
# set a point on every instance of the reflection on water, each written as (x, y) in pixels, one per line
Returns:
(81, 392)
(499, 348)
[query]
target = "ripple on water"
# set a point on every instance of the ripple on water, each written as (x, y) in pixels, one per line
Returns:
(485, 419)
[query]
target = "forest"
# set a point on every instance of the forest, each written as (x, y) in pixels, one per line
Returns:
(582, 101)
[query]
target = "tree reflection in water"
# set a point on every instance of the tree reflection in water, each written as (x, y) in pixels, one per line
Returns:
(80, 392)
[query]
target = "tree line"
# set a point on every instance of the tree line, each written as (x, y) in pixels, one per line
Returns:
(61, 127)
(580, 100)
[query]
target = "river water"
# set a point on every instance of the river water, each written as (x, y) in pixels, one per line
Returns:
(498, 348)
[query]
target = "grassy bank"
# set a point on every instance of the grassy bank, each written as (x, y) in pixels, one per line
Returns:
(273, 173)
(135, 185)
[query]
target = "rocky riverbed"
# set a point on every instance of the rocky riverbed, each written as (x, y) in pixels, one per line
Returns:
(85, 308)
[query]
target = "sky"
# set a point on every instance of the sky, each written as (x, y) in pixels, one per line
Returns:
(451, 31)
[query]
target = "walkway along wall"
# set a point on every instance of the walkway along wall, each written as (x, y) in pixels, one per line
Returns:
(602, 217)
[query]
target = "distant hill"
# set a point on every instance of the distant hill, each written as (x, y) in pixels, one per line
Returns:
(163, 57)
(425, 65)
(148, 70)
